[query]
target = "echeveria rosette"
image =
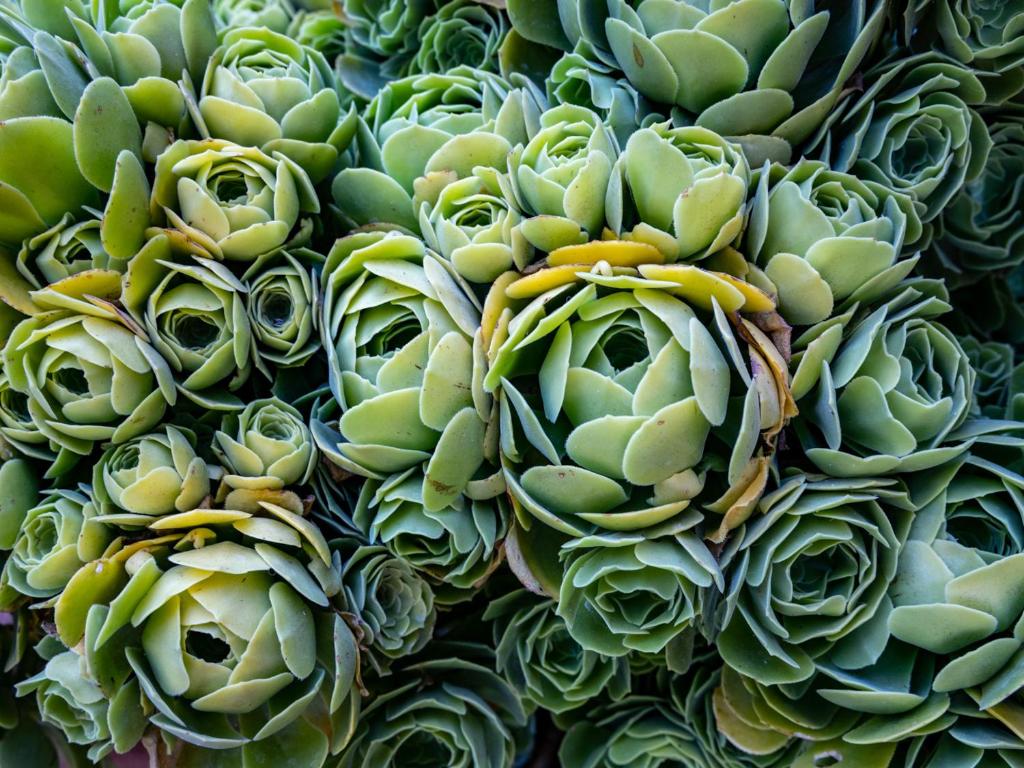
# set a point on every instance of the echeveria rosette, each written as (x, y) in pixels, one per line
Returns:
(223, 621)
(389, 603)
(153, 475)
(809, 578)
(980, 231)
(266, 446)
(631, 591)
(420, 125)
(471, 223)
(625, 392)
(881, 393)
(999, 378)
(638, 732)
(19, 432)
(457, 548)
(225, 201)
(764, 73)
(985, 35)
(69, 700)
(560, 177)
(145, 50)
(827, 239)
(585, 82)
(682, 190)
(536, 653)
(385, 29)
(283, 304)
(56, 537)
(194, 313)
(765, 721)
(264, 89)
(461, 33)
(956, 592)
(273, 16)
(83, 379)
(449, 709)
(913, 130)
(698, 697)
(321, 29)
(65, 249)
(399, 334)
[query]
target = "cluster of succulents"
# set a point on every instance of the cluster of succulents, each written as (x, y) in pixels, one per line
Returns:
(495, 383)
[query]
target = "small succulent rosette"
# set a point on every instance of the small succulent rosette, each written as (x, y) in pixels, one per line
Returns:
(882, 390)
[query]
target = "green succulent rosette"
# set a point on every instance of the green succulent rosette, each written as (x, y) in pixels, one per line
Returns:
(450, 709)
(760, 72)
(980, 231)
(424, 124)
(637, 591)
(386, 27)
(913, 130)
(229, 202)
(274, 16)
(24, 739)
(551, 670)
(55, 538)
(265, 446)
(955, 592)
(682, 190)
(150, 476)
(264, 89)
(462, 32)
(283, 305)
(575, 79)
(767, 721)
(194, 313)
(472, 224)
(399, 334)
(625, 393)
(70, 701)
(321, 29)
(457, 548)
(826, 239)
(881, 392)
(68, 248)
(983, 35)
(217, 631)
(390, 605)
(639, 731)
(810, 577)
(999, 379)
(140, 52)
(81, 375)
(697, 696)
(560, 177)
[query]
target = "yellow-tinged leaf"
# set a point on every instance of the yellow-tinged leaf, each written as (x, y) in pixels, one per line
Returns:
(738, 502)
(756, 299)
(618, 253)
(495, 303)
(697, 286)
(544, 280)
